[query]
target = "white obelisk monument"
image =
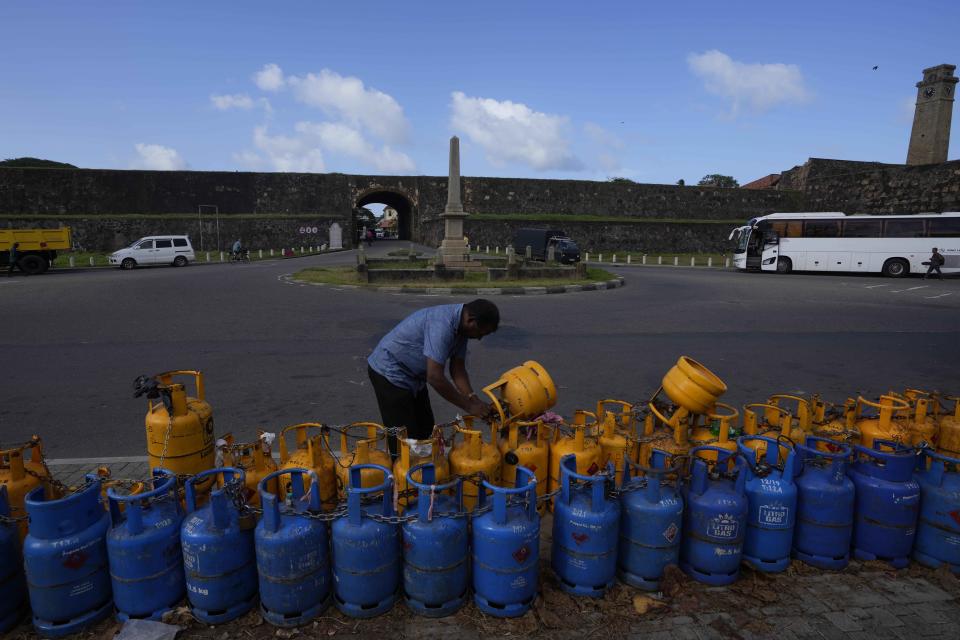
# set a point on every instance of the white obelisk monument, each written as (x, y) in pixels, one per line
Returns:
(453, 249)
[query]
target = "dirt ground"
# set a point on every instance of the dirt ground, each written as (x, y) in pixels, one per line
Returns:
(623, 611)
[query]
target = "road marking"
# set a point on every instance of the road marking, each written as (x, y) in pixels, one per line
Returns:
(910, 289)
(939, 296)
(874, 286)
(10, 282)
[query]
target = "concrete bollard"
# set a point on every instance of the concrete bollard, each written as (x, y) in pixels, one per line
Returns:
(301, 250)
(72, 262)
(271, 253)
(587, 257)
(643, 260)
(628, 258)
(221, 256)
(488, 248)
(614, 261)
(709, 262)
(528, 252)
(676, 261)
(659, 259)
(726, 262)
(599, 257)
(693, 262)
(498, 250)
(323, 247)
(208, 256)
(260, 252)
(91, 261)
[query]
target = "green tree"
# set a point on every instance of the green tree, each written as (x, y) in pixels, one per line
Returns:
(717, 180)
(622, 180)
(32, 163)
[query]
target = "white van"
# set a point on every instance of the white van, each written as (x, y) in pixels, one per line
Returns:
(174, 250)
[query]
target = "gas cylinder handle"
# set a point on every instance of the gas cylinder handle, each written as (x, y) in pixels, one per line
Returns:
(355, 491)
(428, 485)
(525, 483)
(222, 480)
(899, 461)
(749, 409)
(164, 481)
(494, 400)
(166, 378)
(300, 428)
(894, 403)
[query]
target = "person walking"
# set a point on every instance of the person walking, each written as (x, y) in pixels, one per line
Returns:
(415, 353)
(934, 263)
(13, 258)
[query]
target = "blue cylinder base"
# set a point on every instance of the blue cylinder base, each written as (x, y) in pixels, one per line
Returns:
(922, 558)
(633, 580)
(354, 610)
(585, 590)
(220, 617)
(51, 630)
(436, 611)
(823, 562)
(157, 615)
(303, 617)
(767, 566)
(713, 579)
(513, 610)
(900, 562)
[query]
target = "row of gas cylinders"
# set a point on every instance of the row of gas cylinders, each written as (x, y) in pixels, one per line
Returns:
(762, 506)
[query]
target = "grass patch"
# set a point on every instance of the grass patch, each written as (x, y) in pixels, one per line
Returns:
(349, 276)
(560, 217)
(403, 252)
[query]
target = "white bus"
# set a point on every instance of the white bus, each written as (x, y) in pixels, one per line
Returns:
(894, 245)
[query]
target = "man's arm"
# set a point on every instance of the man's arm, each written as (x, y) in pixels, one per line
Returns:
(469, 403)
(458, 373)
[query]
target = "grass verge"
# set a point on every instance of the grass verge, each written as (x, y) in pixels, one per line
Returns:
(349, 276)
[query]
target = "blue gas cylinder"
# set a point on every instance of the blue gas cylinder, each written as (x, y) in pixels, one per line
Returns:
(293, 550)
(650, 526)
(715, 518)
(887, 502)
(436, 547)
(367, 553)
(506, 549)
(586, 525)
(65, 560)
(825, 505)
(772, 500)
(13, 605)
(218, 555)
(146, 564)
(938, 531)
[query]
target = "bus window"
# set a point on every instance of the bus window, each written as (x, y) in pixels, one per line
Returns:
(943, 227)
(903, 228)
(788, 228)
(862, 228)
(821, 228)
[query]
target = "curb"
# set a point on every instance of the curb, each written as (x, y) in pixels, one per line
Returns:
(195, 263)
(615, 283)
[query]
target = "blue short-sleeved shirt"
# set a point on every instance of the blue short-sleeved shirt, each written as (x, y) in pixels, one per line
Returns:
(401, 356)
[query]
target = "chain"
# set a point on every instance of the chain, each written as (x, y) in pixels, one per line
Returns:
(166, 439)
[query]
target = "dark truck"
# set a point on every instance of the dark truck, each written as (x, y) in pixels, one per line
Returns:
(566, 250)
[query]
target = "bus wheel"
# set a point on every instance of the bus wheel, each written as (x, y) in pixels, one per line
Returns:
(895, 268)
(784, 265)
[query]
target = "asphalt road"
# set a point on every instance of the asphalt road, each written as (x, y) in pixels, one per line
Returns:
(276, 354)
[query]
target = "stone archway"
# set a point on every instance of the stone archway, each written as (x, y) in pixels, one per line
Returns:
(401, 203)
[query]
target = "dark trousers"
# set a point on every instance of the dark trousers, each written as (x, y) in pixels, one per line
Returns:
(932, 268)
(402, 408)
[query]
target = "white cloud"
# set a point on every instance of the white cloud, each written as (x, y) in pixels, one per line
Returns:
(758, 87)
(235, 101)
(608, 147)
(157, 157)
(285, 153)
(339, 138)
(270, 78)
(349, 100)
(513, 132)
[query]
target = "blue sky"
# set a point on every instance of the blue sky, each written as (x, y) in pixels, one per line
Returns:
(654, 92)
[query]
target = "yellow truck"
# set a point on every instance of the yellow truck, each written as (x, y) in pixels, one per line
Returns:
(36, 248)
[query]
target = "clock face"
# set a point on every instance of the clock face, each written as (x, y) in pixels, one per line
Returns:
(929, 92)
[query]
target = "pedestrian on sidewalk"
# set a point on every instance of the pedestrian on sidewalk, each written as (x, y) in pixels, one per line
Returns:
(13, 258)
(415, 353)
(934, 263)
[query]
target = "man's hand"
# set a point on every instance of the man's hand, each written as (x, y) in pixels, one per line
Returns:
(479, 408)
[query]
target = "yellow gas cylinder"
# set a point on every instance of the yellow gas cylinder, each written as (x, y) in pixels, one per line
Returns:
(20, 475)
(414, 452)
(691, 387)
(313, 453)
(525, 392)
(921, 421)
(586, 449)
(366, 451)
(801, 418)
(179, 427)
(527, 444)
(121, 486)
(714, 430)
(836, 423)
(618, 432)
(472, 456)
(666, 440)
(255, 460)
(756, 423)
(950, 429)
(882, 426)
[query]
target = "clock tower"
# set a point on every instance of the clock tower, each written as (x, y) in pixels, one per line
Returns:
(930, 136)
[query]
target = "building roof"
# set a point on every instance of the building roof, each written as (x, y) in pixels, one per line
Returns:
(766, 182)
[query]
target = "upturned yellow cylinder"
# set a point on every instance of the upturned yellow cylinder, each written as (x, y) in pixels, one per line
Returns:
(312, 453)
(472, 455)
(523, 393)
(21, 475)
(692, 386)
(430, 450)
(585, 449)
(367, 451)
(950, 429)
(882, 426)
(714, 429)
(257, 463)
(180, 429)
(527, 444)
